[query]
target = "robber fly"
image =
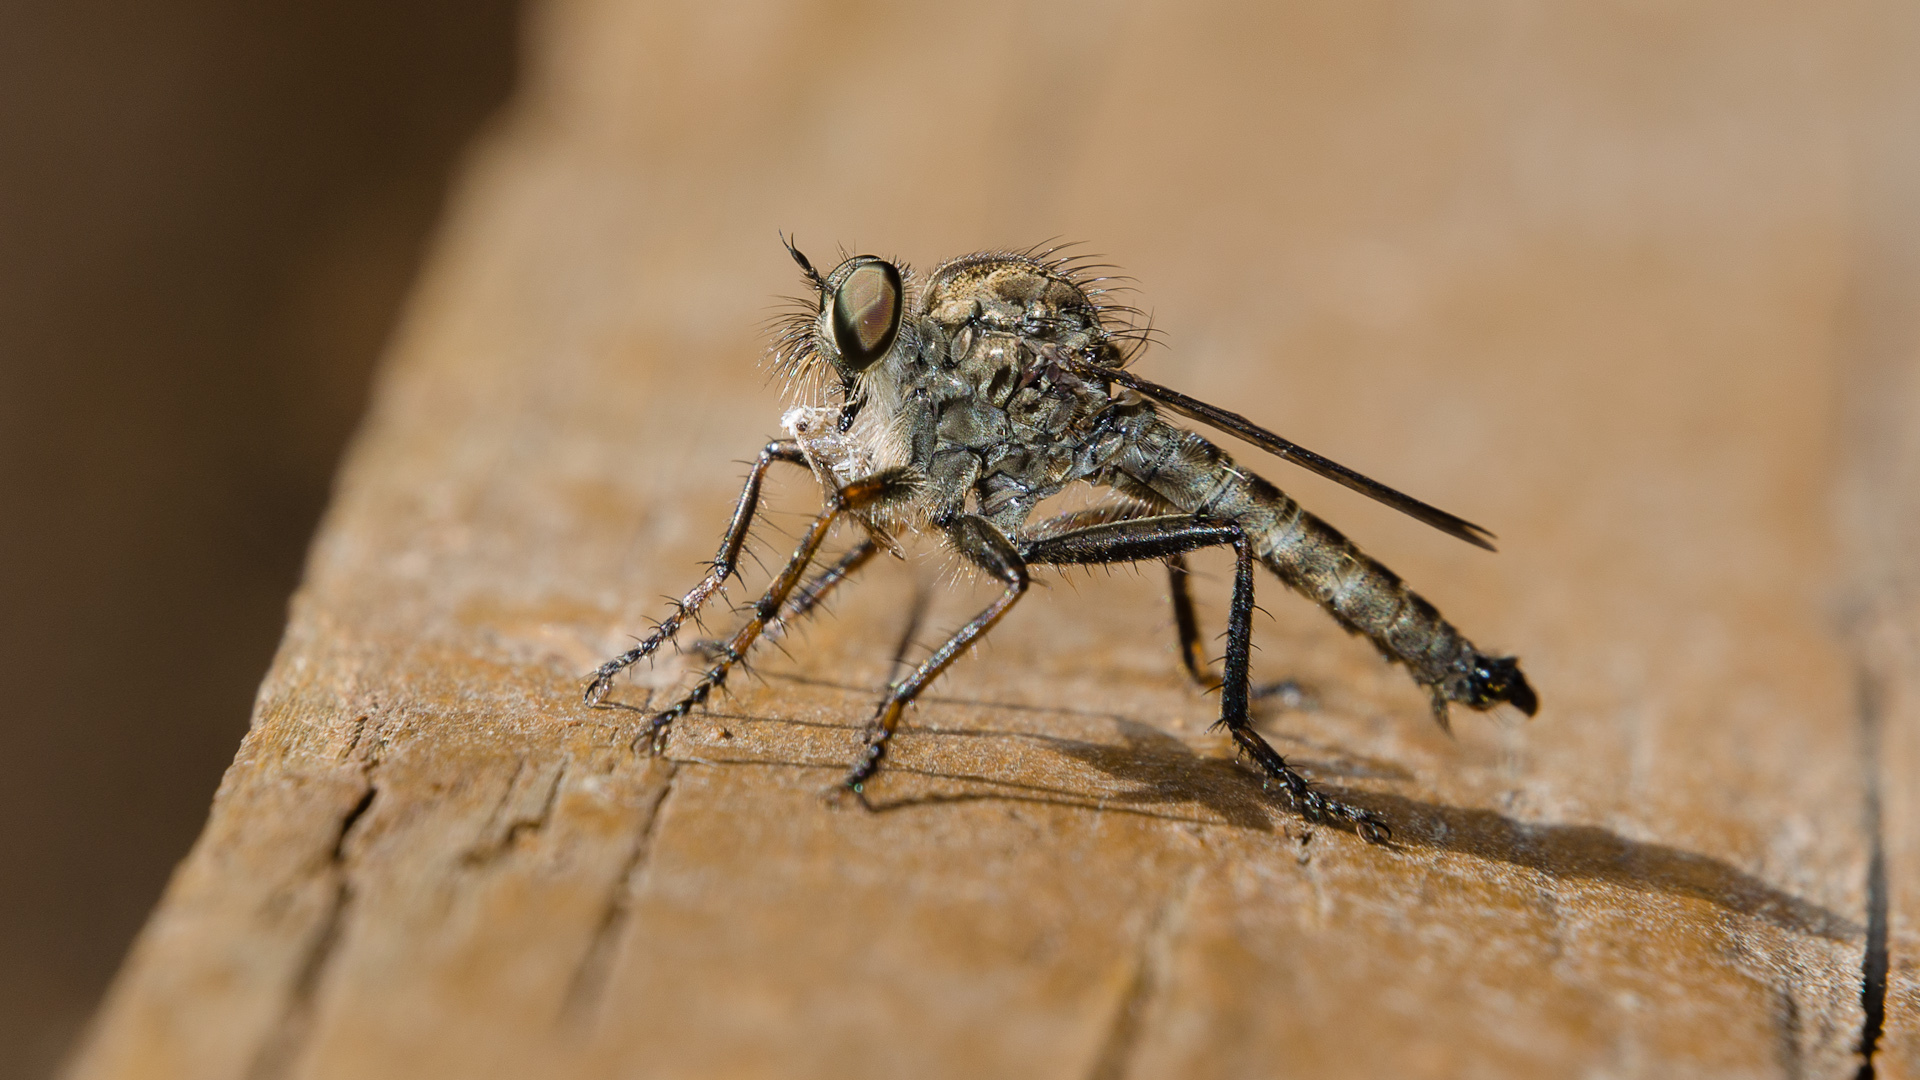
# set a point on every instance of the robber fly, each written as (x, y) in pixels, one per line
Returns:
(957, 406)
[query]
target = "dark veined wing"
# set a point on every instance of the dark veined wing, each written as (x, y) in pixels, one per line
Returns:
(1234, 423)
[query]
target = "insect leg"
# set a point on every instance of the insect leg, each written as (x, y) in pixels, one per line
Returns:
(721, 568)
(989, 549)
(808, 596)
(1193, 654)
(852, 497)
(1233, 710)
(1171, 536)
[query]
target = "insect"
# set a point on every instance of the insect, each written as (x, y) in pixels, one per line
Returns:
(957, 406)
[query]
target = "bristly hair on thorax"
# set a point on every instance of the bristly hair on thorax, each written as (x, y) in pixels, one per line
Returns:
(793, 355)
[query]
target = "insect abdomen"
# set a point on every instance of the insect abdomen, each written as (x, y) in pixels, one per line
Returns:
(1316, 560)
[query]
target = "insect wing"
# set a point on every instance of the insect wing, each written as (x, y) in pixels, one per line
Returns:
(1234, 423)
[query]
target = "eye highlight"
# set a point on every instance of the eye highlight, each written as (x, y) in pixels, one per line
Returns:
(866, 314)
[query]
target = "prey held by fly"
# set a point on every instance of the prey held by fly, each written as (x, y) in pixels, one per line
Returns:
(955, 407)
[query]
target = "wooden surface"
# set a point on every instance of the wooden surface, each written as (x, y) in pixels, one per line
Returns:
(1593, 277)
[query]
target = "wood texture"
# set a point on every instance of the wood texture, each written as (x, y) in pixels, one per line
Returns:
(1573, 275)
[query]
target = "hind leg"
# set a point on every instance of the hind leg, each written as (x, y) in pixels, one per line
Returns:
(1173, 535)
(1193, 655)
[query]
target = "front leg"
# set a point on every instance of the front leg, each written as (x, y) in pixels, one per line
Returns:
(1175, 535)
(857, 496)
(718, 571)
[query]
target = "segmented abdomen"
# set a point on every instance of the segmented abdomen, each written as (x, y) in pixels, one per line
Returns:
(1194, 476)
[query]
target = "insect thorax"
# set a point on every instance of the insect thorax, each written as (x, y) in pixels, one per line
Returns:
(974, 397)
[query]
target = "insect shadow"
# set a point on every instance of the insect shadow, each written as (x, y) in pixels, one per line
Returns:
(1163, 777)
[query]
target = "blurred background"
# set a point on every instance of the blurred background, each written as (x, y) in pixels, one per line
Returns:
(210, 211)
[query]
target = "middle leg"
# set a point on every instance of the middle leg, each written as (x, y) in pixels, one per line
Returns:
(809, 596)
(1193, 653)
(988, 548)
(805, 600)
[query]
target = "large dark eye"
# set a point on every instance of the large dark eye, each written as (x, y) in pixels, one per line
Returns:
(866, 314)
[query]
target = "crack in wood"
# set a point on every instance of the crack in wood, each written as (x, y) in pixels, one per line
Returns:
(1873, 968)
(504, 839)
(1152, 957)
(288, 1034)
(592, 974)
(505, 800)
(1790, 1030)
(531, 825)
(353, 740)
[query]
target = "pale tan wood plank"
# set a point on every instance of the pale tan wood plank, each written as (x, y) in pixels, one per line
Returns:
(1535, 270)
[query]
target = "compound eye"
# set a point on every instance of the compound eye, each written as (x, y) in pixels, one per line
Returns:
(866, 314)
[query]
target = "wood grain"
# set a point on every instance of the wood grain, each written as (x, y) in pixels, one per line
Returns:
(1572, 274)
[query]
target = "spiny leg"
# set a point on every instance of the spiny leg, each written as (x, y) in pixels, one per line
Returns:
(1193, 652)
(988, 548)
(1166, 537)
(734, 649)
(1193, 655)
(806, 598)
(855, 496)
(724, 562)
(1233, 709)
(809, 596)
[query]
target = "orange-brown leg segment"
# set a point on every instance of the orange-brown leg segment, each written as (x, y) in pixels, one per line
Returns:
(1193, 655)
(809, 596)
(855, 496)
